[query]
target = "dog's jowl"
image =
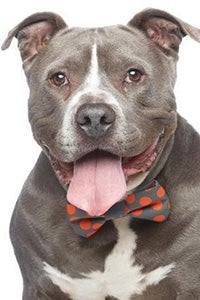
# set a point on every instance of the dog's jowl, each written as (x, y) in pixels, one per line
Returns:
(111, 208)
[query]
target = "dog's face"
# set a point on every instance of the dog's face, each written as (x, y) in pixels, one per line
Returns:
(101, 89)
(102, 92)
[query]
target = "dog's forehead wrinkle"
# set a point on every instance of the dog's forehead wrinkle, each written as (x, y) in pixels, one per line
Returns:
(75, 32)
(80, 42)
(100, 35)
(80, 35)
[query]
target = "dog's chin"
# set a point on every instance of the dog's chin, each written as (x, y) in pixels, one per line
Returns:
(133, 167)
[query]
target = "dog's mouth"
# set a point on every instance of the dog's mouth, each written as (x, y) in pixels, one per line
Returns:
(97, 180)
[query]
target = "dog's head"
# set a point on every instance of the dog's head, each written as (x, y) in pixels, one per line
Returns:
(101, 100)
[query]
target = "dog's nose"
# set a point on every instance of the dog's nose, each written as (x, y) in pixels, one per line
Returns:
(95, 119)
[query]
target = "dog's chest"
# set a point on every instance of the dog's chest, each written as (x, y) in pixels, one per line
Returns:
(121, 278)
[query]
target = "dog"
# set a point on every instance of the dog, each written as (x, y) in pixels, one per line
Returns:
(111, 208)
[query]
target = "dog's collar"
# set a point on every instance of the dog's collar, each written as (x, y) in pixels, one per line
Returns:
(148, 203)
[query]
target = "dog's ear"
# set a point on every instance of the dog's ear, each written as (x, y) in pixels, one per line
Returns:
(164, 29)
(34, 33)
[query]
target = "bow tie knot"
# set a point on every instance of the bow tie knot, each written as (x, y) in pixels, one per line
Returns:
(150, 202)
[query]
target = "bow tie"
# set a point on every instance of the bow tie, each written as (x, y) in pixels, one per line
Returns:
(150, 202)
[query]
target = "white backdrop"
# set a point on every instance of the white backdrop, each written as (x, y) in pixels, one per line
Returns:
(18, 149)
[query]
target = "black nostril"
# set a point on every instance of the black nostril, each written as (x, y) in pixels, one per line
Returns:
(95, 119)
(103, 120)
(106, 120)
(84, 121)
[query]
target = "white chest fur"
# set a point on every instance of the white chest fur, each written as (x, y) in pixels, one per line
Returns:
(122, 277)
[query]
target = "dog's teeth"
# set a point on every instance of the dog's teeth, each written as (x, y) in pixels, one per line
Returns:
(54, 164)
(162, 133)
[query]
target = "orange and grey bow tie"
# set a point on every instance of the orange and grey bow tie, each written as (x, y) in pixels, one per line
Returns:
(148, 203)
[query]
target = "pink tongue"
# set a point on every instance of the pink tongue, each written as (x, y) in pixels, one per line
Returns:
(97, 184)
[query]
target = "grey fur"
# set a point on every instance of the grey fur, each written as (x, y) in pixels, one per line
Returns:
(39, 229)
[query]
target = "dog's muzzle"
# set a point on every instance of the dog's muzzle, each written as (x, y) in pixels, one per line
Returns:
(95, 119)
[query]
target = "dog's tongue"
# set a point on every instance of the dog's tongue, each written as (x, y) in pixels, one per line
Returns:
(98, 182)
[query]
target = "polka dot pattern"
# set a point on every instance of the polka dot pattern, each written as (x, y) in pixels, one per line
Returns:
(130, 199)
(70, 209)
(145, 201)
(137, 212)
(150, 202)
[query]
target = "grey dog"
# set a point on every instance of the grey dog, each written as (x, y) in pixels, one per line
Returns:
(102, 108)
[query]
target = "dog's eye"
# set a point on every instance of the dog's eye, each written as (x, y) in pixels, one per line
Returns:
(133, 75)
(59, 79)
